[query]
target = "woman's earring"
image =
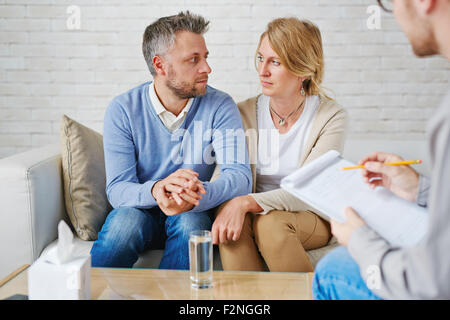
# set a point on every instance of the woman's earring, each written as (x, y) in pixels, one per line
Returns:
(302, 92)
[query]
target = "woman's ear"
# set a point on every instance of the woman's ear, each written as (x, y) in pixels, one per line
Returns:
(302, 81)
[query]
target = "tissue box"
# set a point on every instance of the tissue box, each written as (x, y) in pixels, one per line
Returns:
(67, 281)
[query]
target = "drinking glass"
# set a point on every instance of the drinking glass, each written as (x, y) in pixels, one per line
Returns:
(201, 259)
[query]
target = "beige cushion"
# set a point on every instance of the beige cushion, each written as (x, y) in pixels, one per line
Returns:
(83, 165)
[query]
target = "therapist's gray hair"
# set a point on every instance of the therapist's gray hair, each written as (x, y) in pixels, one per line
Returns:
(160, 35)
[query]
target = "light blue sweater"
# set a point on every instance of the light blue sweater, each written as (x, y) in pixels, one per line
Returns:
(140, 150)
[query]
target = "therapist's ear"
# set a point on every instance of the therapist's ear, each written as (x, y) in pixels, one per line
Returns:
(425, 7)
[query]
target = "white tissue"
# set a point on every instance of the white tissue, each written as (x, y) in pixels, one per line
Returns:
(63, 252)
(61, 273)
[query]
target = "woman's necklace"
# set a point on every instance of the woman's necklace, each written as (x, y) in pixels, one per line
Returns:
(282, 120)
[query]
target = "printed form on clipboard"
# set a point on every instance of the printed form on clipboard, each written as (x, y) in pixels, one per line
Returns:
(324, 186)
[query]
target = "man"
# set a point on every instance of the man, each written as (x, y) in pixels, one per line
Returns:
(423, 271)
(160, 150)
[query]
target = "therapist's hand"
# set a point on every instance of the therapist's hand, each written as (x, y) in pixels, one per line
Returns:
(401, 180)
(343, 231)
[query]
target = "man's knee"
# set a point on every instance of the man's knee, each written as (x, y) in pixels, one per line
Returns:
(121, 239)
(123, 224)
(184, 223)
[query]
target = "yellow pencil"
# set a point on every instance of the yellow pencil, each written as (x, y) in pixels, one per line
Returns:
(400, 163)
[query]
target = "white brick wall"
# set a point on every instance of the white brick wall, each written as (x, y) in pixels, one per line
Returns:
(48, 70)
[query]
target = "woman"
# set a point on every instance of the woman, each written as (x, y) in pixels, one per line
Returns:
(298, 123)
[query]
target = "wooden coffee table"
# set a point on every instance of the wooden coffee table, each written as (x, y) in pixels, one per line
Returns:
(111, 284)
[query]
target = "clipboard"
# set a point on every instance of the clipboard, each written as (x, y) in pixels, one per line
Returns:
(324, 186)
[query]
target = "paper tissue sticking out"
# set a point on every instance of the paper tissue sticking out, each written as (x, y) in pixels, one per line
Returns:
(63, 251)
(60, 274)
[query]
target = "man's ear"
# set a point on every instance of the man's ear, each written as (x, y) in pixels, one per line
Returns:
(158, 64)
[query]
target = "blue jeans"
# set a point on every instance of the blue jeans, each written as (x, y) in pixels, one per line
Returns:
(129, 231)
(337, 277)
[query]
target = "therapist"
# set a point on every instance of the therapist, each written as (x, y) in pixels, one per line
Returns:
(423, 271)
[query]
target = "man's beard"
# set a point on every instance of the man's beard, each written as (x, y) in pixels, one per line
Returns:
(183, 90)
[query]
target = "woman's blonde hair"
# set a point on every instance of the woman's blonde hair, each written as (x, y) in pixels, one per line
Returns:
(298, 43)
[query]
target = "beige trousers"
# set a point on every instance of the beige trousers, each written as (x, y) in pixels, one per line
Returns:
(281, 238)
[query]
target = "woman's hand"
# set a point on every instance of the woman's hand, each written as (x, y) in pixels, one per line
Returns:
(230, 219)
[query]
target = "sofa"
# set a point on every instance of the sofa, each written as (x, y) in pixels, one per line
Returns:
(32, 198)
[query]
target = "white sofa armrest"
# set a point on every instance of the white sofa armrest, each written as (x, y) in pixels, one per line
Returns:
(32, 204)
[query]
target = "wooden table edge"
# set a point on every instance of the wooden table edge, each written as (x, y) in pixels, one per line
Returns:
(13, 274)
(310, 282)
(309, 275)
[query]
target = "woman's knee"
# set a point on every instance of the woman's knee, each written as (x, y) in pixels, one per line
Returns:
(242, 255)
(313, 231)
(272, 229)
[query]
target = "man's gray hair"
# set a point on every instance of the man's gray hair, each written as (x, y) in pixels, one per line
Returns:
(160, 35)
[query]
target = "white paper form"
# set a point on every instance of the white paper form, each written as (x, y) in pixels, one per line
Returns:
(326, 187)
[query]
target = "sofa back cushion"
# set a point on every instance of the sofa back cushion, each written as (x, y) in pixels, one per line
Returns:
(83, 166)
